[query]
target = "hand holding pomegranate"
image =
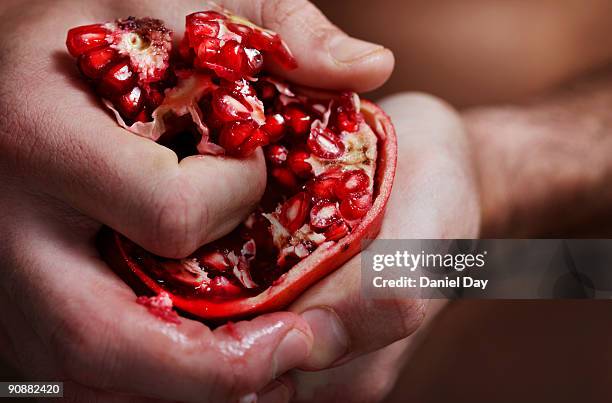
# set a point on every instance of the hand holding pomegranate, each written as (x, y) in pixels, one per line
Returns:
(434, 196)
(67, 167)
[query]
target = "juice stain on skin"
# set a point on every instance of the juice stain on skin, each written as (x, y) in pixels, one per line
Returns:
(161, 307)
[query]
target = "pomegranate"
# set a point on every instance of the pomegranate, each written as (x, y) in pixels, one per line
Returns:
(128, 61)
(330, 156)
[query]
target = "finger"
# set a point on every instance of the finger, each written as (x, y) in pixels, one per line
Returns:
(77, 154)
(327, 57)
(102, 339)
(368, 378)
(345, 324)
(280, 390)
(434, 197)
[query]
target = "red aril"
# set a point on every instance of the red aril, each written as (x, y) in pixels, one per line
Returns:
(352, 182)
(336, 231)
(275, 126)
(82, 39)
(242, 138)
(298, 163)
(323, 214)
(277, 154)
(325, 144)
(285, 178)
(297, 119)
(356, 206)
(294, 212)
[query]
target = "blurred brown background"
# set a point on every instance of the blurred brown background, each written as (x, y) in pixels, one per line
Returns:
(480, 51)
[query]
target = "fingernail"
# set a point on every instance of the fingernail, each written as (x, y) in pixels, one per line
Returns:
(275, 392)
(291, 352)
(347, 50)
(330, 338)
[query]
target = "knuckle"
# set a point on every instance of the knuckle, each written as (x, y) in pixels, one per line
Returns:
(178, 214)
(411, 313)
(406, 314)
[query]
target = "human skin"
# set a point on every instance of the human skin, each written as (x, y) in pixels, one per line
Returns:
(66, 169)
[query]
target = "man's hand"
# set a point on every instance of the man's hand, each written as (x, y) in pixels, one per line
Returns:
(66, 168)
(434, 196)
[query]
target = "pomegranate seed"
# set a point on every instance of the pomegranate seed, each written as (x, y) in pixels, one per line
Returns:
(215, 260)
(85, 38)
(131, 103)
(294, 212)
(346, 122)
(222, 287)
(336, 231)
(347, 118)
(355, 207)
(258, 138)
(297, 119)
(232, 55)
(325, 144)
(275, 127)
(297, 163)
(324, 185)
(323, 188)
(324, 214)
(354, 181)
(202, 28)
(266, 91)
(186, 272)
(142, 116)
(285, 177)
(208, 49)
(205, 16)
(227, 108)
(277, 154)
(93, 63)
(240, 29)
(272, 44)
(119, 78)
(240, 139)
(262, 40)
(160, 306)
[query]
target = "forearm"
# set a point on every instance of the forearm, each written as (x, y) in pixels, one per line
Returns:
(540, 162)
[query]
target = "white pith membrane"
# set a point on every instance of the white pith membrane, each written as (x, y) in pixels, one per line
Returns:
(148, 56)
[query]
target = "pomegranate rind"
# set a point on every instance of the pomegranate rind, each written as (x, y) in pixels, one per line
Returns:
(329, 256)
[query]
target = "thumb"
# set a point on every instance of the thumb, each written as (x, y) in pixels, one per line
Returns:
(327, 57)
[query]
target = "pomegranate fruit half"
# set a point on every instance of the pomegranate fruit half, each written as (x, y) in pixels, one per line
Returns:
(330, 158)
